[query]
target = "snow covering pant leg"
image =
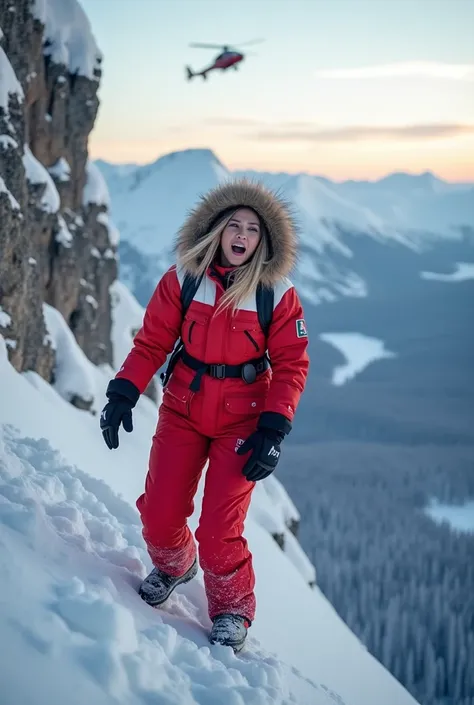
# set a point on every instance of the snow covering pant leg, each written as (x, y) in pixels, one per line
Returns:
(224, 556)
(177, 457)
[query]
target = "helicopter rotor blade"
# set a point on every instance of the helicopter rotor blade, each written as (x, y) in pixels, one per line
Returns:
(252, 41)
(206, 46)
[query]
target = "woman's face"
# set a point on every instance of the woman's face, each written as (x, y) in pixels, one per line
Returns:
(240, 238)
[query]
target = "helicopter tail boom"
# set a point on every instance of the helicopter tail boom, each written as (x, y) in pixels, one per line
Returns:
(191, 74)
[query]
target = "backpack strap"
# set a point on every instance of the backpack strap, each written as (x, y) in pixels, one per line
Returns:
(265, 302)
(188, 291)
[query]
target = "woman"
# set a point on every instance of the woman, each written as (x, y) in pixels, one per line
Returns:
(238, 236)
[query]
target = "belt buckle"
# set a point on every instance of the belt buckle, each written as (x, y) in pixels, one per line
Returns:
(218, 371)
(249, 373)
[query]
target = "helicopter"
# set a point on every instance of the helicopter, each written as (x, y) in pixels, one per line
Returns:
(228, 57)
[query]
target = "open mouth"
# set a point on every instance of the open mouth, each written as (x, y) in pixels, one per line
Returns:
(238, 249)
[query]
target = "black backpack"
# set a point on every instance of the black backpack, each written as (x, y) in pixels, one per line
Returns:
(189, 288)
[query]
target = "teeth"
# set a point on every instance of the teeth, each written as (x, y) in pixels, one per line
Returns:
(238, 248)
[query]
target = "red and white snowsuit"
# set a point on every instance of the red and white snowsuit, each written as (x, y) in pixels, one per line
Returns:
(210, 424)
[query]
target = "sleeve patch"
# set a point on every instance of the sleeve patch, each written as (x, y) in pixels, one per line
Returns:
(301, 331)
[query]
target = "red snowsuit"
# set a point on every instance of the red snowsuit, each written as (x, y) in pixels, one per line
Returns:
(211, 424)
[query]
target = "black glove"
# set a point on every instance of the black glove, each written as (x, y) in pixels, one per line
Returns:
(265, 446)
(122, 395)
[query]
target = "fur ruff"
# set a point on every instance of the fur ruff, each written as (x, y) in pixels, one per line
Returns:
(274, 211)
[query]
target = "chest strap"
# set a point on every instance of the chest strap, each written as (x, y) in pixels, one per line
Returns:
(247, 371)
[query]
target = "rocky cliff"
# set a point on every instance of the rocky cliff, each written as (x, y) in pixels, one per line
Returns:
(57, 243)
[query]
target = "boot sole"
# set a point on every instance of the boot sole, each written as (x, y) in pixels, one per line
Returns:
(191, 573)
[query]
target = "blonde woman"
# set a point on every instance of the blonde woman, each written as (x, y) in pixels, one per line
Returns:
(229, 400)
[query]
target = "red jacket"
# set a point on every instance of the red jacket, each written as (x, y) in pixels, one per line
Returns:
(225, 339)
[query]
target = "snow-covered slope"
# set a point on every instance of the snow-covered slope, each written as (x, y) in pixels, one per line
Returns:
(72, 556)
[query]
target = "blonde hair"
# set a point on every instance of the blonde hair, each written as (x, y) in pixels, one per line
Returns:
(245, 277)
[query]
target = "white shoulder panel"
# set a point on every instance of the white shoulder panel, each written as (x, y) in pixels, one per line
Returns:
(249, 304)
(280, 290)
(206, 294)
(180, 274)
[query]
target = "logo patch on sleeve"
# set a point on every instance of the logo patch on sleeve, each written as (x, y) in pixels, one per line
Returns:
(301, 331)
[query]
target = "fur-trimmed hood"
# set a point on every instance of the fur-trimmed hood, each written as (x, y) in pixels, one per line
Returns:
(273, 210)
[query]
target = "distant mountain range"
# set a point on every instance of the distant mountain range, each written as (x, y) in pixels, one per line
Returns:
(416, 212)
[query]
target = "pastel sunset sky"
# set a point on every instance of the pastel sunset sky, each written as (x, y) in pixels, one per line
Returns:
(341, 88)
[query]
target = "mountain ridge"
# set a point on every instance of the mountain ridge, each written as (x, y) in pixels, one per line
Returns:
(149, 204)
(425, 174)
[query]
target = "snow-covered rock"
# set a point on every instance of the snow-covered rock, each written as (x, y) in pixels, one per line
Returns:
(75, 377)
(127, 318)
(37, 174)
(13, 202)
(95, 190)
(42, 214)
(60, 170)
(9, 85)
(69, 36)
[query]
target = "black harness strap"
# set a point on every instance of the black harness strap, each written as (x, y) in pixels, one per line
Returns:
(247, 371)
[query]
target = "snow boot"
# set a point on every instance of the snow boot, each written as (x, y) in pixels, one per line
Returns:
(229, 630)
(158, 585)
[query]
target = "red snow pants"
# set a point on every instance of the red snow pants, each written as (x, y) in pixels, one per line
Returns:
(193, 428)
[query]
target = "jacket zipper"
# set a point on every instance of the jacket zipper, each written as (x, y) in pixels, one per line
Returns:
(191, 330)
(254, 342)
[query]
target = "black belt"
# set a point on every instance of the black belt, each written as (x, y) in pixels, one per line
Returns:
(247, 371)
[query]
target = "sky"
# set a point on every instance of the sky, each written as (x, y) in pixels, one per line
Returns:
(341, 88)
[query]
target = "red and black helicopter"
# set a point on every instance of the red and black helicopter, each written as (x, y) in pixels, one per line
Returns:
(228, 57)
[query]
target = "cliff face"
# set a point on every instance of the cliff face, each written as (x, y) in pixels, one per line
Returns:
(57, 245)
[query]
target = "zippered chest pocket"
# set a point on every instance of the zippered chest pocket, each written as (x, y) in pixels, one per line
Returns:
(194, 333)
(246, 340)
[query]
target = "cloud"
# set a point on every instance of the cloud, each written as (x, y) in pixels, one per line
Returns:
(365, 132)
(231, 122)
(423, 69)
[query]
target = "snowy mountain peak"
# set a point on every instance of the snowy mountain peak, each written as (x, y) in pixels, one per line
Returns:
(204, 155)
(192, 162)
